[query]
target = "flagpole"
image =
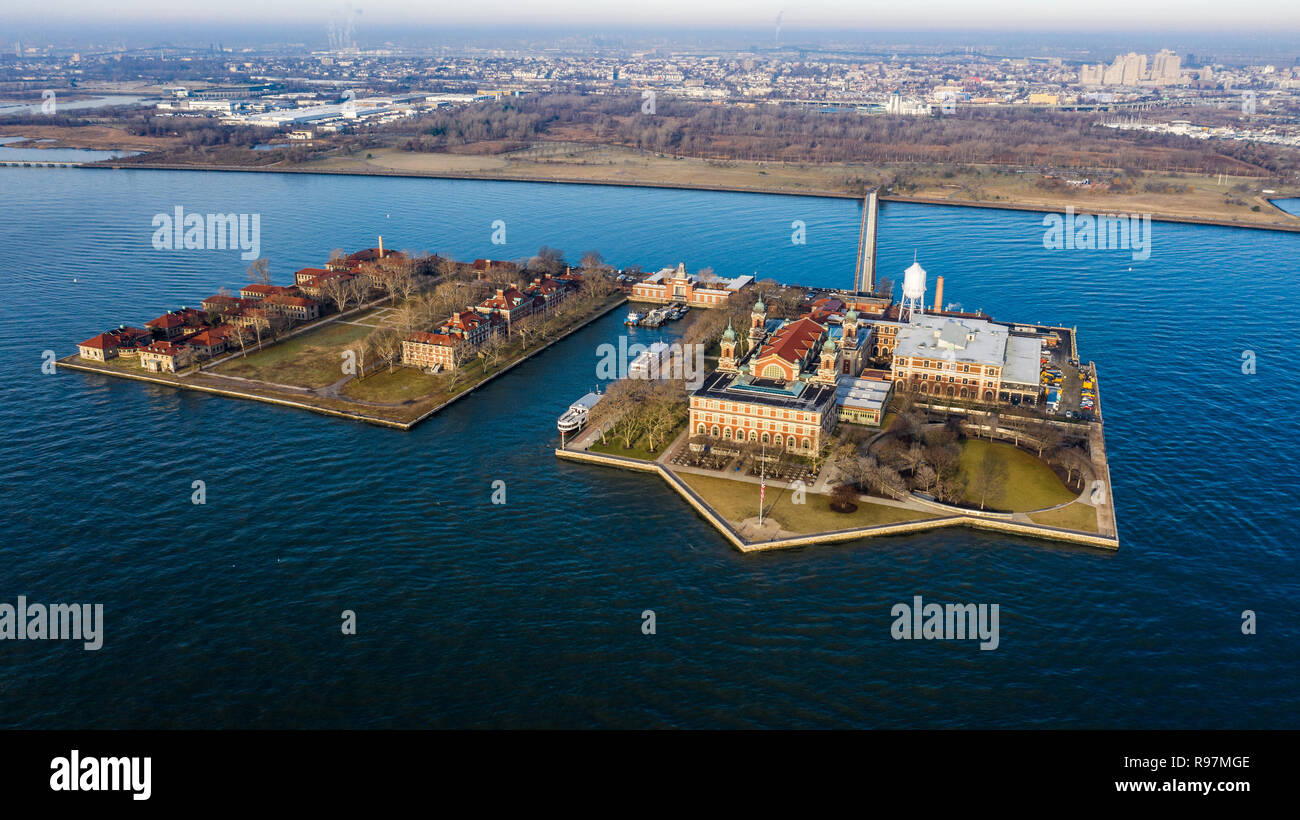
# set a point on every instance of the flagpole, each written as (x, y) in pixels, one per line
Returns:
(762, 482)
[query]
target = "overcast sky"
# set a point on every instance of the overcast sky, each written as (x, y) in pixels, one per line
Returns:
(1268, 16)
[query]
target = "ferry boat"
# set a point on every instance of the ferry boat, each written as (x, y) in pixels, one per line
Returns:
(633, 319)
(652, 363)
(575, 417)
(655, 318)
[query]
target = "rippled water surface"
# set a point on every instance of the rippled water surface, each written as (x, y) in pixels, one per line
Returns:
(528, 614)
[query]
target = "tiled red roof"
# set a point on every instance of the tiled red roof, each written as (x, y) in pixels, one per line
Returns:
(508, 299)
(793, 341)
(266, 290)
(466, 319)
(206, 338)
(101, 342)
(164, 348)
(166, 320)
(442, 339)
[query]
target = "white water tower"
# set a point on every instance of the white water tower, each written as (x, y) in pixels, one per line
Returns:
(913, 291)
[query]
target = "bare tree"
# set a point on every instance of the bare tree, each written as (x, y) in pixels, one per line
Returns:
(925, 477)
(1049, 437)
(336, 289)
(386, 344)
(844, 498)
(913, 457)
(259, 271)
(988, 477)
(361, 349)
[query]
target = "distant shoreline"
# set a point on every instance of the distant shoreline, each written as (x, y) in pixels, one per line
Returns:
(825, 194)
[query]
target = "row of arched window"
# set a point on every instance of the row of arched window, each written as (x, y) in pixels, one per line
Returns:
(737, 434)
(952, 391)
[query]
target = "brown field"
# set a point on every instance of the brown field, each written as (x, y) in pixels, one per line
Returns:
(578, 162)
(93, 137)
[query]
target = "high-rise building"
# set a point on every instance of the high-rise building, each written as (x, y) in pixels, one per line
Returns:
(1130, 69)
(1166, 67)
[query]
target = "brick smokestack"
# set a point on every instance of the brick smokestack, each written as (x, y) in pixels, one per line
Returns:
(938, 295)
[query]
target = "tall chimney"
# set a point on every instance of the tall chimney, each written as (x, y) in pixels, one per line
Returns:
(381, 247)
(938, 295)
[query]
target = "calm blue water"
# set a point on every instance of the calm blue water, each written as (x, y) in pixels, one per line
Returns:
(56, 154)
(528, 614)
(1291, 206)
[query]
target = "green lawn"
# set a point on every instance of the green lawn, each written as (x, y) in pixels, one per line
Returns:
(402, 384)
(311, 359)
(738, 500)
(1030, 484)
(1074, 516)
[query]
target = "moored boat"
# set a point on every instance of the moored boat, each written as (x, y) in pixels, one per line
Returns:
(575, 417)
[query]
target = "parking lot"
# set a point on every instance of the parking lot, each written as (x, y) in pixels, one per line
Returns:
(1076, 386)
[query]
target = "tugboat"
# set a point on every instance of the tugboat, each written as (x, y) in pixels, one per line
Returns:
(575, 418)
(633, 319)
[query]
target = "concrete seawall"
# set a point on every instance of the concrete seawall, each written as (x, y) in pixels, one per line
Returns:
(233, 394)
(902, 528)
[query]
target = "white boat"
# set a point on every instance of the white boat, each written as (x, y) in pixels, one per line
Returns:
(633, 319)
(652, 363)
(575, 417)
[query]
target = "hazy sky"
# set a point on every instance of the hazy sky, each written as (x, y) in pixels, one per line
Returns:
(1266, 16)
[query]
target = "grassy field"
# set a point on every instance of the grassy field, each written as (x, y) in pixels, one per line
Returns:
(1030, 484)
(403, 384)
(311, 359)
(738, 500)
(1074, 516)
(956, 183)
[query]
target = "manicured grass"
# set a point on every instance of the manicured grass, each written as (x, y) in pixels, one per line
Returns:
(402, 384)
(1074, 516)
(311, 359)
(738, 500)
(1030, 484)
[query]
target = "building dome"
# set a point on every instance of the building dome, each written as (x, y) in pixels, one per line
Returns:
(828, 349)
(729, 335)
(759, 307)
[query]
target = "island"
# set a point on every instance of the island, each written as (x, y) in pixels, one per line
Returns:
(833, 415)
(384, 337)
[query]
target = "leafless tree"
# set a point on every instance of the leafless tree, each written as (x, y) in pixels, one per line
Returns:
(988, 477)
(338, 292)
(926, 477)
(844, 498)
(259, 271)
